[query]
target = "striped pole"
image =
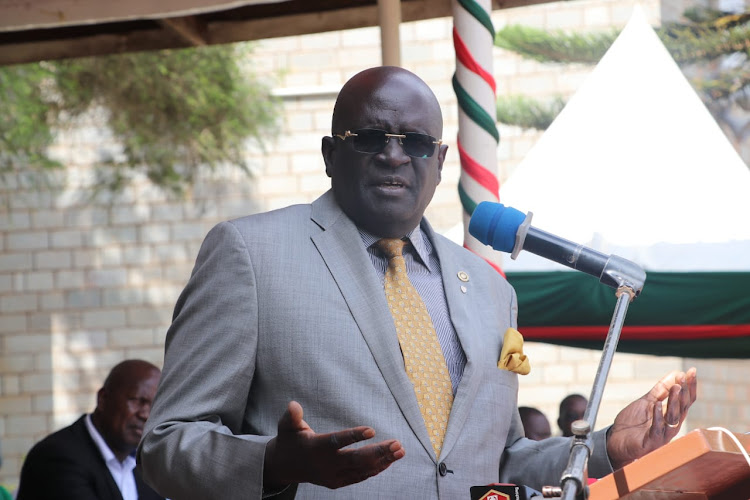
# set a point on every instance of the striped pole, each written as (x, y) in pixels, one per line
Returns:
(478, 137)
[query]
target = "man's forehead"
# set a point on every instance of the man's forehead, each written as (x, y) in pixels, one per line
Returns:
(408, 110)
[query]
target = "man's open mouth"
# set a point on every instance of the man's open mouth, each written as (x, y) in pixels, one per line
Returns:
(392, 183)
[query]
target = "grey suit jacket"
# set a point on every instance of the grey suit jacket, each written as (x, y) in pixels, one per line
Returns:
(286, 305)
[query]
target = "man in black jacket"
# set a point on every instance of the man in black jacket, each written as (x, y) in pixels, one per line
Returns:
(93, 459)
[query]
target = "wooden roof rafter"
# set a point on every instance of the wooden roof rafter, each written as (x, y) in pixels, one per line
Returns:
(36, 30)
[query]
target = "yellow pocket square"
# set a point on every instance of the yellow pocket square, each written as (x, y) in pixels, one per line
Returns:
(512, 357)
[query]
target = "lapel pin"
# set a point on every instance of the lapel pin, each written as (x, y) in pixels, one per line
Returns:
(463, 276)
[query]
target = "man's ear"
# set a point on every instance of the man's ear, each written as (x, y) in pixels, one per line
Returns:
(328, 148)
(442, 150)
(101, 398)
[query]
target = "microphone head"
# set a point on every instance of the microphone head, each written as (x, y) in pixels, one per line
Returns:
(496, 225)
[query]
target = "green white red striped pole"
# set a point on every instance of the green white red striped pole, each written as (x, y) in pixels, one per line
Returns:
(478, 137)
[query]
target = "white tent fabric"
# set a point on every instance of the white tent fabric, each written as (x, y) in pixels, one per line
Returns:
(636, 166)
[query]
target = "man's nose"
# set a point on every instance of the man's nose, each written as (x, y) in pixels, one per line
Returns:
(144, 410)
(394, 152)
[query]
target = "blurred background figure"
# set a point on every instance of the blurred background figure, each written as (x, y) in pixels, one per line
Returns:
(93, 458)
(535, 424)
(572, 408)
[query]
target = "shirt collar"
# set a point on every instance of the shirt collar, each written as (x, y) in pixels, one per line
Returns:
(416, 237)
(104, 449)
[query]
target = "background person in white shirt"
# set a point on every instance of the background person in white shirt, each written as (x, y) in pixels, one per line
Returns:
(93, 459)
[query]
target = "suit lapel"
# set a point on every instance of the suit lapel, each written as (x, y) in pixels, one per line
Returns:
(458, 309)
(352, 271)
(97, 461)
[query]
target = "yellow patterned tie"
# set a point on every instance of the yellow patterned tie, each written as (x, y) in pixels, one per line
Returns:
(423, 357)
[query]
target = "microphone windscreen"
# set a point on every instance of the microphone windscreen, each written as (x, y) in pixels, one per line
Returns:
(496, 225)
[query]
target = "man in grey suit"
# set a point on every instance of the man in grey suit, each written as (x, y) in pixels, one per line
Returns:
(285, 313)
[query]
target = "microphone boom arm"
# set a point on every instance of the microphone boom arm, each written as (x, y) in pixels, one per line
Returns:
(572, 482)
(612, 270)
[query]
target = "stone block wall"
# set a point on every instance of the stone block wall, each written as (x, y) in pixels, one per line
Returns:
(88, 280)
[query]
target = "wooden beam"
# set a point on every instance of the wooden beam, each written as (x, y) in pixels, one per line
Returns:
(190, 28)
(182, 32)
(98, 45)
(18, 15)
(318, 22)
(342, 19)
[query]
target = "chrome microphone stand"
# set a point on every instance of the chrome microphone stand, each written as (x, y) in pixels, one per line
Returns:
(628, 278)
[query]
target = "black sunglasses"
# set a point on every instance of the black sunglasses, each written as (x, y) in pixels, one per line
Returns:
(373, 141)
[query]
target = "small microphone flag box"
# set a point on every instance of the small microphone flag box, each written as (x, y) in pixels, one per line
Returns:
(497, 492)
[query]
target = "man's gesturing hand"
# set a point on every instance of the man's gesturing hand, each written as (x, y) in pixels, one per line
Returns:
(643, 426)
(298, 455)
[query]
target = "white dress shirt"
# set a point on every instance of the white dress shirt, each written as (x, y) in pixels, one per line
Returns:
(122, 472)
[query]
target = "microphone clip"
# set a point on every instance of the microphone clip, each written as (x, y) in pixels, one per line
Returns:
(523, 229)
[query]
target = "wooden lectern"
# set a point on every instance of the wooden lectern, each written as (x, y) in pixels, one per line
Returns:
(702, 465)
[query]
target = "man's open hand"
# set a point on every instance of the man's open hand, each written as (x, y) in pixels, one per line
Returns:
(643, 426)
(298, 455)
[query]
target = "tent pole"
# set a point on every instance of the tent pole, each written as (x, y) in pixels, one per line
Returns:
(389, 17)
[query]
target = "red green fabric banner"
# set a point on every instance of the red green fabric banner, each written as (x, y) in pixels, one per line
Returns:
(695, 314)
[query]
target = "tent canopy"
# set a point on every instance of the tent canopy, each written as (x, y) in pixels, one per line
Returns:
(636, 166)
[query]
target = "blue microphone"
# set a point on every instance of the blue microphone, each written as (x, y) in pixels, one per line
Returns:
(509, 230)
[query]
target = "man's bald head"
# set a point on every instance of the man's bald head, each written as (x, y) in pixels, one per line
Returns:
(127, 371)
(366, 89)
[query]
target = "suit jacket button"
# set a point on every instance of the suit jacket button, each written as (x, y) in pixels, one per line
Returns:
(443, 469)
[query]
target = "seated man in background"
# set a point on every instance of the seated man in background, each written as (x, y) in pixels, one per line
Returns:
(93, 459)
(535, 424)
(572, 408)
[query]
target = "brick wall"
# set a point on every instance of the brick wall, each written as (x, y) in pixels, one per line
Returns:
(87, 283)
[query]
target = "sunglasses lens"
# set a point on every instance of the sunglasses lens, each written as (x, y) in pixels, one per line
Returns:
(369, 140)
(373, 141)
(419, 145)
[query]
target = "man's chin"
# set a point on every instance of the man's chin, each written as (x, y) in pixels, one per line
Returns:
(133, 438)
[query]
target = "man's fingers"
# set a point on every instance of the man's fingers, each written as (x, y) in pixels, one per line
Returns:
(292, 420)
(692, 383)
(688, 392)
(682, 394)
(660, 390)
(374, 459)
(657, 428)
(355, 465)
(342, 439)
(673, 415)
(389, 452)
(295, 411)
